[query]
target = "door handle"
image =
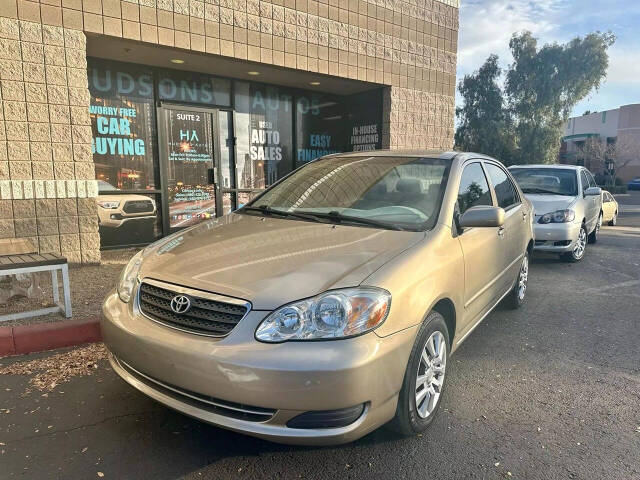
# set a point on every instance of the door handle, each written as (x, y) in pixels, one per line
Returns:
(501, 232)
(524, 215)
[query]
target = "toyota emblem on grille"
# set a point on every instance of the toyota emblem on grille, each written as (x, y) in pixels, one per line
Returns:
(180, 304)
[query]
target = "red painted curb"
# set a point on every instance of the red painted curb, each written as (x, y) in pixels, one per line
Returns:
(6, 341)
(48, 336)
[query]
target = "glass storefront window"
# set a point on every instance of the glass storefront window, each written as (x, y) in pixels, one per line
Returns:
(190, 87)
(364, 120)
(228, 202)
(122, 123)
(236, 134)
(246, 197)
(264, 134)
(320, 126)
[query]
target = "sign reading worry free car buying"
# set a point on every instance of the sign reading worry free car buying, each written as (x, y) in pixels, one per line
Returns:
(113, 132)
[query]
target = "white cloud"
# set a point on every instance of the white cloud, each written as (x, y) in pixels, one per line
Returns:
(624, 67)
(486, 26)
(622, 85)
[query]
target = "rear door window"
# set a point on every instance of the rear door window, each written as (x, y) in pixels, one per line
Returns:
(474, 188)
(505, 191)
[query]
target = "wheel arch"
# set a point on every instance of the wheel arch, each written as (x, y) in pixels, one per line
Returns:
(447, 309)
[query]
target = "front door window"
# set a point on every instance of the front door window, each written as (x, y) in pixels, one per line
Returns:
(189, 158)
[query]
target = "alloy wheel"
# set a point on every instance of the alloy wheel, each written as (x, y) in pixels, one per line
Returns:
(581, 244)
(523, 277)
(430, 375)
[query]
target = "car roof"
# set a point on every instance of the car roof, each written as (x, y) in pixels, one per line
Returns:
(554, 166)
(441, 154)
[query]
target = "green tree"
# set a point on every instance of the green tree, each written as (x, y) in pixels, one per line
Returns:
(484, 123)
(542, 85)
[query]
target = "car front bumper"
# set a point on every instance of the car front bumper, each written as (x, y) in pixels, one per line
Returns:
(189, 373)
(555, 237)
(107, 222)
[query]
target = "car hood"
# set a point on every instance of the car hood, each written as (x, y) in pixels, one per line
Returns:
(119, 198)
(549, 203)
(272, 261)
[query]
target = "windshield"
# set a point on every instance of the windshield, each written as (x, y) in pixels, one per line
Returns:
(105, 186)
(402, 193)
(551, 181)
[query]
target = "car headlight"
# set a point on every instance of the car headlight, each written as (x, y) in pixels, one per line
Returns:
(109, 205)
(559, 216)
(330, 315)
(129, 277)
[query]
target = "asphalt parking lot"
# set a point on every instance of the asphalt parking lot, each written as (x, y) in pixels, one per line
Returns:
(550, 391)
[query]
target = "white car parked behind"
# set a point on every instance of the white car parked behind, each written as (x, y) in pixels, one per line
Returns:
(567, 207)
(609, 209)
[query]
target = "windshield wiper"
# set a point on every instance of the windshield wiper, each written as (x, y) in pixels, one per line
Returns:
(339, 218)
(333, 216)
(541, 190)
(267, 210)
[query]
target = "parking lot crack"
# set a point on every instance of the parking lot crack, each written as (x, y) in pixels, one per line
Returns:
(80, 427)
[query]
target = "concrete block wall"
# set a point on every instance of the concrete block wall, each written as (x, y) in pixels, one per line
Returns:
(407, 45)
(45, 136)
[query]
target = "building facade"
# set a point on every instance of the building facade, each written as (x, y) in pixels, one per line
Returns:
(123, 121)
(594, 138)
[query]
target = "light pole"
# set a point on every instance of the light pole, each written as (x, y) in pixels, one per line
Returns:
(611, 169)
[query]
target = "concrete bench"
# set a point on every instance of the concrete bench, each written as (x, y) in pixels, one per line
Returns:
(33, 263)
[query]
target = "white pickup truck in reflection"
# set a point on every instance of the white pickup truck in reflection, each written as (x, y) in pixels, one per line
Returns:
(121, 213)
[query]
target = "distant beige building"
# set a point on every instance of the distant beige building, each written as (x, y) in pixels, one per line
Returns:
(617, 130)
(196, 105)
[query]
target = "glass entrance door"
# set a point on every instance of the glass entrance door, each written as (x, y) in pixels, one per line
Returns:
(189, 152)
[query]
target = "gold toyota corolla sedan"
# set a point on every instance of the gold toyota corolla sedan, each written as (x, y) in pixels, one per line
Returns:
(329, 305)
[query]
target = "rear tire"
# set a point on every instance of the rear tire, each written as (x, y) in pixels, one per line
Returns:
(593, 236)
(516, 298)
(424, 378)
(580, 247)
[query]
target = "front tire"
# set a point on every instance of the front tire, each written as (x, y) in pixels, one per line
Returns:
(424, 378)
(516, 298)
(579, 247)
(614, 221)
(593, 236)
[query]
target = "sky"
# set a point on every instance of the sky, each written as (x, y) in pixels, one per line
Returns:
(487, 25)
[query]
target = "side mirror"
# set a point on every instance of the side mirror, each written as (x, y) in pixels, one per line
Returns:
(592, 192)
(482, 216)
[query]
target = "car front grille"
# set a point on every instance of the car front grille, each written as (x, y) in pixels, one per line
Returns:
(198, 400)
(138, 206)
(205, 316)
